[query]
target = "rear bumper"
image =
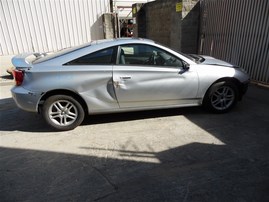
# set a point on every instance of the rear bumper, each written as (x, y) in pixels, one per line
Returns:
(25, 99)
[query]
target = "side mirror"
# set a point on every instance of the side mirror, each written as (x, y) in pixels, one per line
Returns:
(186, 66)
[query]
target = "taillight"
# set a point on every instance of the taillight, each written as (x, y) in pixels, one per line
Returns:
(18, 76)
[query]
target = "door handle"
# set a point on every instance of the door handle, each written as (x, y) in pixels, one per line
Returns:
(116, 84)
(125, 77)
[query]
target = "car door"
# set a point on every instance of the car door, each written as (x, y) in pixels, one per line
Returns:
(147, 76)
(91, 76)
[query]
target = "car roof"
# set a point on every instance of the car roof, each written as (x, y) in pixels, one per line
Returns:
(103, 43)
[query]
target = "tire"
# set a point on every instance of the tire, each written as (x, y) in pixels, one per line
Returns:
(221, 97)
(63, 112)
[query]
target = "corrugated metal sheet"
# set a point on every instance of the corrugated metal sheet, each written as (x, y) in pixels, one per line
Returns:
(237, 31)
(49, 25)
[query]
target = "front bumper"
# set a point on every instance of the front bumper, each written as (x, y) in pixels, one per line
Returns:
(26, 99)
(243, 89)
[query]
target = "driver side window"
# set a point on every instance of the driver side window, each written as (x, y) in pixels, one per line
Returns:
(139, 54)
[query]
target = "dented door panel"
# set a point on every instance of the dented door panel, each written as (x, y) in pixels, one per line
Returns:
(95, 85)
(137, 86)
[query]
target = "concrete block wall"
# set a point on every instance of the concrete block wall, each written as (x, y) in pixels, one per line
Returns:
(190, 26)
(162, 25)
(162, 22)
(109, 26)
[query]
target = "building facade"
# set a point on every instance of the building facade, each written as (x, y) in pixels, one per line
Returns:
(49, 25)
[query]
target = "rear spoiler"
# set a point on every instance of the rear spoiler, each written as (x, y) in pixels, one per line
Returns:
(25, 60)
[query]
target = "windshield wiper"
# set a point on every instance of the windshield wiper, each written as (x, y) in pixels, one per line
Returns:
(197, 58)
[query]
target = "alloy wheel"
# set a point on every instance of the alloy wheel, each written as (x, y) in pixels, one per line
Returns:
(63, 113)
(223, 98)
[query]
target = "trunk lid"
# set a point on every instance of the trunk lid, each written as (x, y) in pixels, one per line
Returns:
(25, 61)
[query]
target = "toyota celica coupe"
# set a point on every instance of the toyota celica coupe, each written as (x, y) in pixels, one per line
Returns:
(121, 75)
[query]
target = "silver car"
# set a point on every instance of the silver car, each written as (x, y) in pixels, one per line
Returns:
(122, 75)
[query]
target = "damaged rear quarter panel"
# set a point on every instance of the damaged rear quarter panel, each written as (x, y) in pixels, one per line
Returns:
(92, 82)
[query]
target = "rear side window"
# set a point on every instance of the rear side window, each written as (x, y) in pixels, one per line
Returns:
(102, 57)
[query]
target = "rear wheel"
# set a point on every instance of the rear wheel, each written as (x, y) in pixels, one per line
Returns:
(63, 112)
(221, 97)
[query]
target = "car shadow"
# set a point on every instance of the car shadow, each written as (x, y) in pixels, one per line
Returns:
(14, 119)
(7, 77)
(140, 115)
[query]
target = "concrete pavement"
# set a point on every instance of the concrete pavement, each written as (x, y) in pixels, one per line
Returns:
(5, 78)
(182, 154)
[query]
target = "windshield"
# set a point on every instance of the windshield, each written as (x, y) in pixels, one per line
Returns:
(193, 57)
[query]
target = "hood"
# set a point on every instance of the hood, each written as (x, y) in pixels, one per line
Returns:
(213, 61)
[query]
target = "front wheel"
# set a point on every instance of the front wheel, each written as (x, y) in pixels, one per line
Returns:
(63, 112)
(221, 97)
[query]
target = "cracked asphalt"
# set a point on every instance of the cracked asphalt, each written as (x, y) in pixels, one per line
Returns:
(184, 154)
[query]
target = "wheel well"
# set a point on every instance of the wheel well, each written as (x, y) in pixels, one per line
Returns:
(228, 79)
(238, 84)
(63, 92)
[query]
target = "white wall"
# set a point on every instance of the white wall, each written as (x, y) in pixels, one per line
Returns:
(49, 25)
